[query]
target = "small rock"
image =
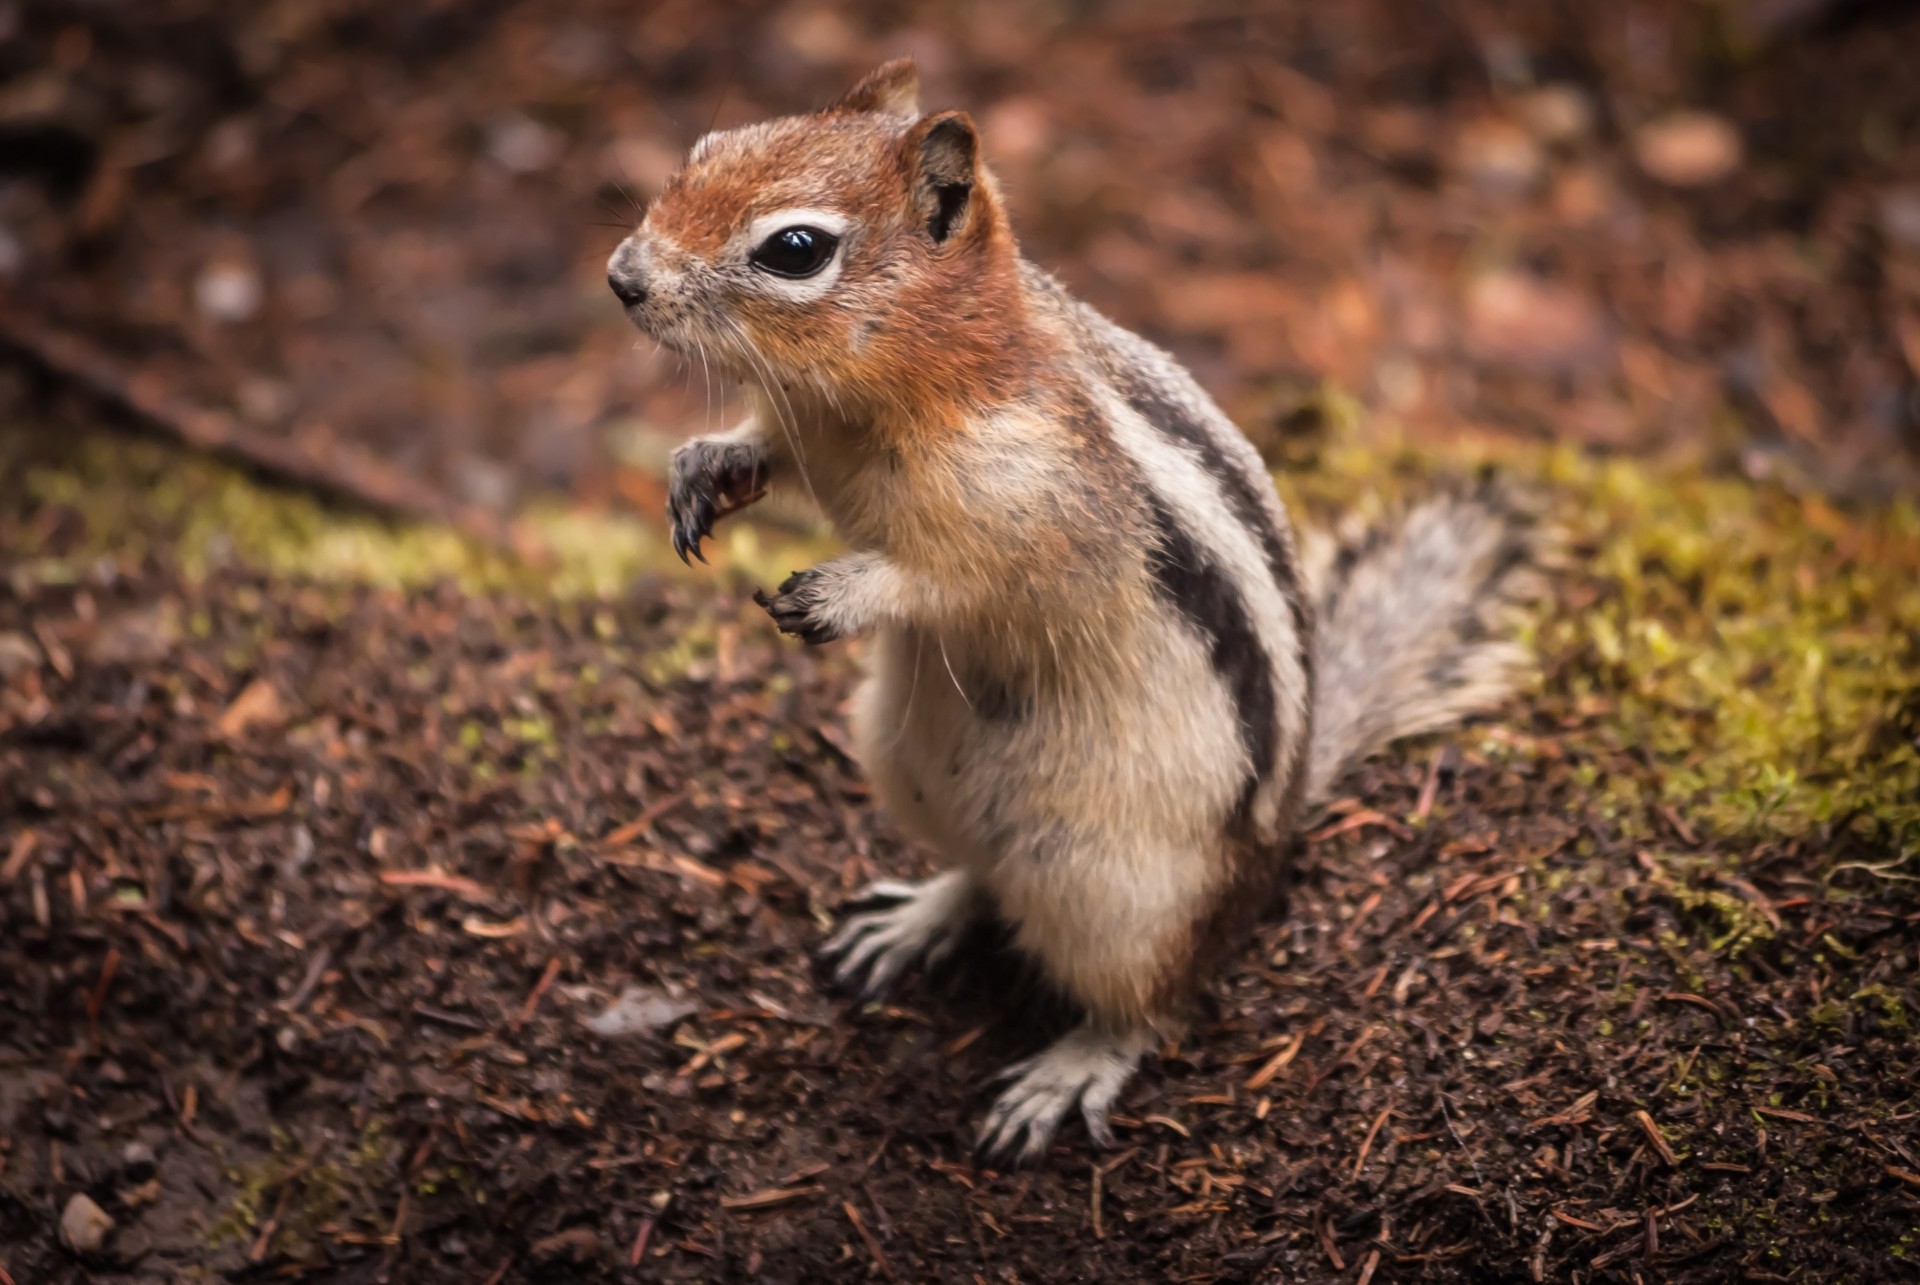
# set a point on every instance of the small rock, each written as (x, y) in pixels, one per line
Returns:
(1900, 217)
(84, 1226)
(1688, 149)
(523, 145)
(300, 849)
(229, 291)
(639, 1009)
(17, 655)
(138, 1161)
(1557, 114)
(1498, 156)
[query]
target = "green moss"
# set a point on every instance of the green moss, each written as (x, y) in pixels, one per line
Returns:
(134, 499)
(1765, 649)
(1891, 1003)
(301, 1192)
(1758, 650)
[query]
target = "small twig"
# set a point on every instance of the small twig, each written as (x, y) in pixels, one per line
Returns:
(1366, 1144)
(342, 472)
(768, 1198)
(1264, 1076)
(97, 1000)
(1099, 1232)
(23, 846)
(1324, 1226)
(316, 968)
(439, 880)
(626, 834)
(539, 989)
(873, 1246)
(1652, 1131)
(640, 1240)
(259, 1250)
(1431, 786)
(1366, 1272)
(1351, 937)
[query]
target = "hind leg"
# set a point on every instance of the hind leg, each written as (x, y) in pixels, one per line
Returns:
(1112, 925)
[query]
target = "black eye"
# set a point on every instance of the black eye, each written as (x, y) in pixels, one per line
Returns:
(795, 252)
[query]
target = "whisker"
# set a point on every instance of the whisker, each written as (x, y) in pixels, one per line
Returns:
(913, 686)
(950, 674)
(706, 383)
(770, 387)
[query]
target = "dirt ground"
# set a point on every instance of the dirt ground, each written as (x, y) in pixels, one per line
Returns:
(375, 906)
(318, 899)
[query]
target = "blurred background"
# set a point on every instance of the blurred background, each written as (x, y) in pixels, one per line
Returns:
(367, 239)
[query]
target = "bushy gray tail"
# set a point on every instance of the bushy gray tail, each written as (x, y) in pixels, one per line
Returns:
(1416, 621)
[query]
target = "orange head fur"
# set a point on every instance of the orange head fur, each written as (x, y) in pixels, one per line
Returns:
(862, 251)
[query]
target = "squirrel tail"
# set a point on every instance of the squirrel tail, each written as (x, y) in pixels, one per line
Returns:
(1416, 621)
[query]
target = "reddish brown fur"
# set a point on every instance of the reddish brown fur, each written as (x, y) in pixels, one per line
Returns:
(942, 331)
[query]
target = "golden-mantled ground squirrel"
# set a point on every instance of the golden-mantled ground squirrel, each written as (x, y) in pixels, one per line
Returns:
(1103, 684)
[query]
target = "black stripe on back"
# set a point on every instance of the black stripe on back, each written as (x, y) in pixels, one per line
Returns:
(1173, 421)
(1208, 601)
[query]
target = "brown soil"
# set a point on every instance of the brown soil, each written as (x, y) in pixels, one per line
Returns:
(311, 890)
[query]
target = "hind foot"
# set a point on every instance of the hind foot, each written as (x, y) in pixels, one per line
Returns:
(1087, 1068)
(923, 925)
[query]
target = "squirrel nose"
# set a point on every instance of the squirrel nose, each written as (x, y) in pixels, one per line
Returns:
(630, 293)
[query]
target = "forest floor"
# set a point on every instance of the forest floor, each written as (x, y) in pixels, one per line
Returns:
(454, 923)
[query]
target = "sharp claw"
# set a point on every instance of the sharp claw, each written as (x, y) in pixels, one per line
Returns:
(885, 890)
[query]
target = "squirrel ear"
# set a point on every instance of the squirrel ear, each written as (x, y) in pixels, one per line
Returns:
(891, 89)
(943, 157)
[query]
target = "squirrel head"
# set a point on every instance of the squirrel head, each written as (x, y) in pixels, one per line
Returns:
(862, 250)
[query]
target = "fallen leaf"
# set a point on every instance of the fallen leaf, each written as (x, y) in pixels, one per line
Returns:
(258, 705)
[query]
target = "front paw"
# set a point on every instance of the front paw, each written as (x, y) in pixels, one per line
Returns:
(803, 607)
(708, 480)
